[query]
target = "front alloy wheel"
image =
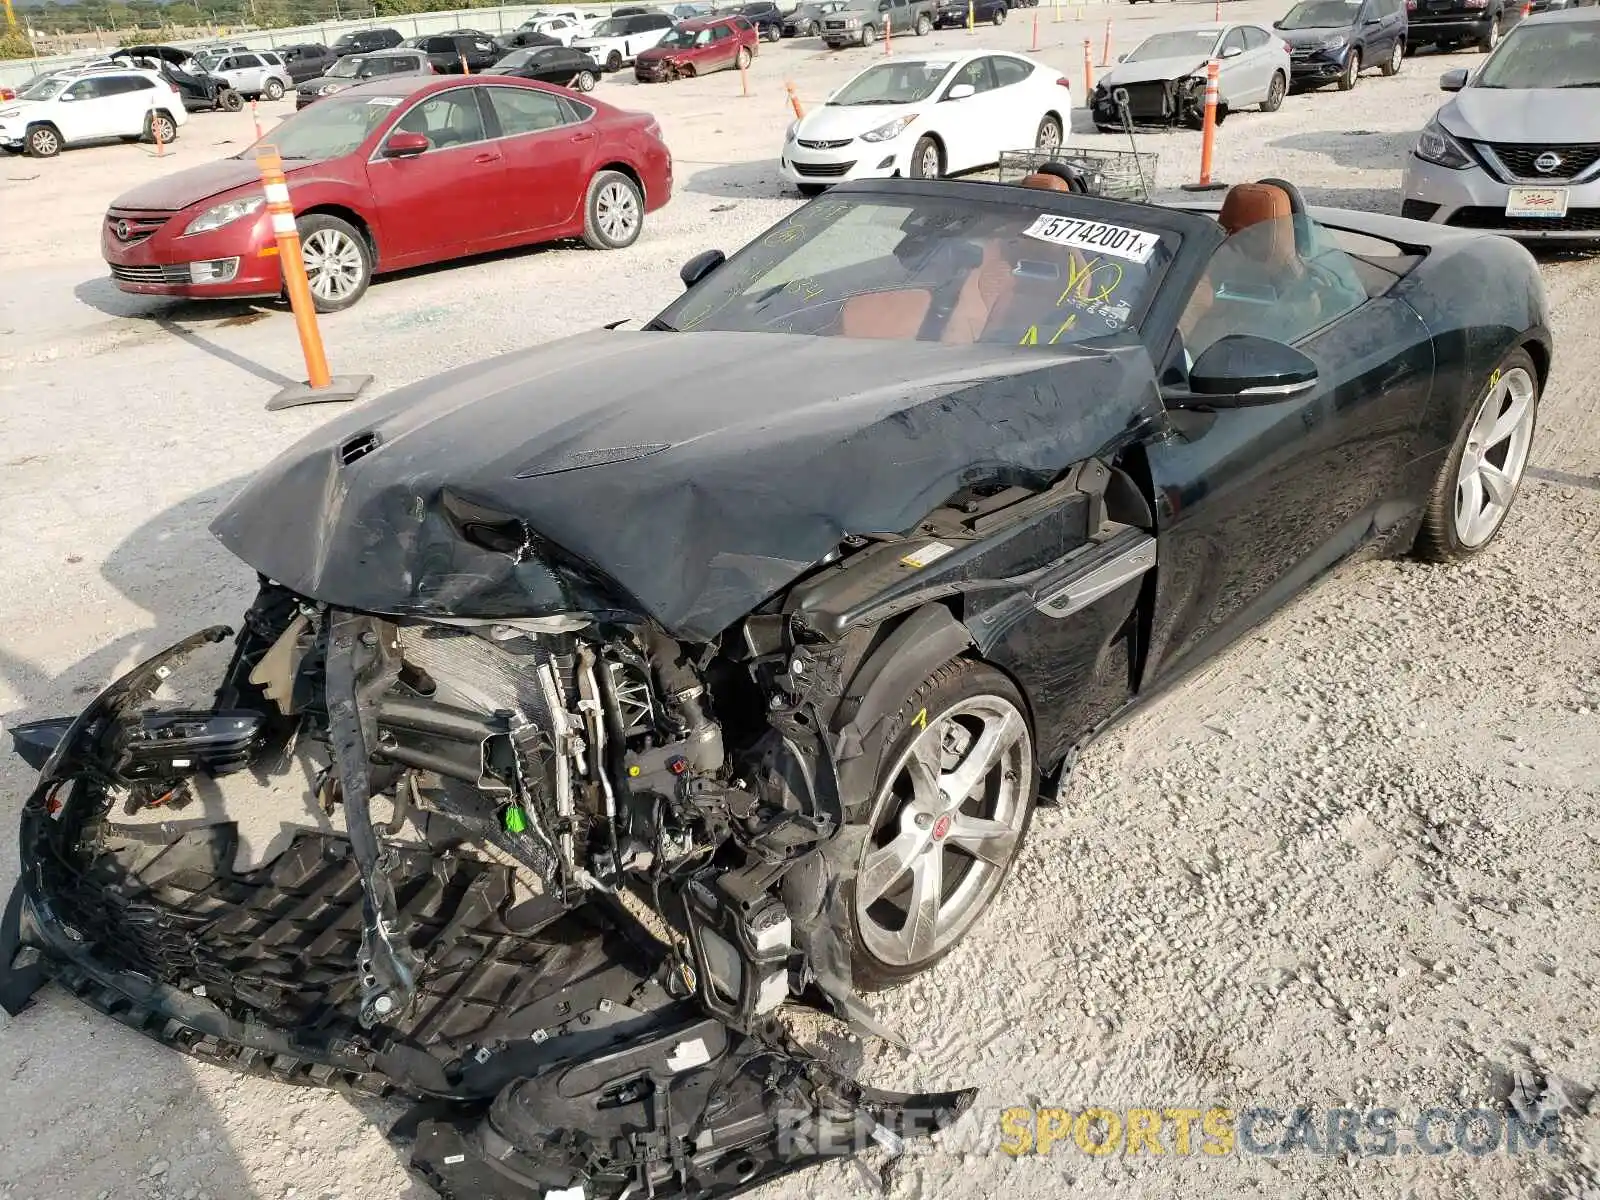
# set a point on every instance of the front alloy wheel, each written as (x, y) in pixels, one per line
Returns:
(947, 821)
(338, 262)
(1478, 483)
(43, 142)
(1352, 68)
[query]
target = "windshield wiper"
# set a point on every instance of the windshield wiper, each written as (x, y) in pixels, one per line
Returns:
(1594, 83)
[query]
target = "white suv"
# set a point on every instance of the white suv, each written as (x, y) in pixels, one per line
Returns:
(60, 110)
(254, 74)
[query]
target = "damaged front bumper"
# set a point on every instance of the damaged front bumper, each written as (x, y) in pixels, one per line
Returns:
(563, 1057)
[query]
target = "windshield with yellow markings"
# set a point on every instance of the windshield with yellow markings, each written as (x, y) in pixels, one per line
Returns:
(935, 270)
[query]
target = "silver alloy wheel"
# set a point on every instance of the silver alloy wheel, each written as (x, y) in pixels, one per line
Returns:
(945, 827)
(164, 127)
(929, 165)
(333, 265)
(1494, 457)
(1395, 57)
(45, 142)
(616, 211)
(1049, 137)
(586, 81)
(1352, 68)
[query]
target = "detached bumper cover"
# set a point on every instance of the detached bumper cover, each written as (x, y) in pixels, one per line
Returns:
(543, 1055)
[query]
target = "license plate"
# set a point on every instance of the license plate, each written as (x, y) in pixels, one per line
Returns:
(1537, 202)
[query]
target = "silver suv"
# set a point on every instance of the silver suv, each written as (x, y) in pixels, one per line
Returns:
(865, 21)
(254, 74)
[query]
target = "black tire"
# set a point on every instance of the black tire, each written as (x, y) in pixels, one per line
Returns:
(869, 35)
(810, 30)
(957, 684)
(1491, 38)
(924, 26)
(169, 127)
(274, 89)
(1391, 65)
(585, 81)
(926, 153)
(606, 223)
(229, 100)
(1352, 69)
(1276, 91)
(1438, 539)
(359, 255)
(773, 34)
(742, 59)
(42, 141)
(999, 16)
(811, 190)
(614, 61)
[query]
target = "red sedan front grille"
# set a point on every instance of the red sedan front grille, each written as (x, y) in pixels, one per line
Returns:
(130, 228)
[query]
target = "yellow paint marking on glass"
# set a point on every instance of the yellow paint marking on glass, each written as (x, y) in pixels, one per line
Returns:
(1031, 338)
(1080, 275)
(1065, 325)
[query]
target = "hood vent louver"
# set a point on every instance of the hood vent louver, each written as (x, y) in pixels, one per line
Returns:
(359, 446)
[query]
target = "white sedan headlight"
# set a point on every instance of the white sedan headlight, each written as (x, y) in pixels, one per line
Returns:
(328, 89)
(889, 131)
(226, 213)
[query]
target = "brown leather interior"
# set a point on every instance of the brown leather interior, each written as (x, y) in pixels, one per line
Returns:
(895, 315)
(1250, 204)
(1048, 183)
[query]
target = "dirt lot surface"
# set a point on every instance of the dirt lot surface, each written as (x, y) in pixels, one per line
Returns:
(1351, 864)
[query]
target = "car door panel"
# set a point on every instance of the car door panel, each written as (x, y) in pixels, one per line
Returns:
(546, 155)
(451, 199)
(1250, 498)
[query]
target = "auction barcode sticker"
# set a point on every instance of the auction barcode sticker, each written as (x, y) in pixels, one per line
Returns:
(1135, 245)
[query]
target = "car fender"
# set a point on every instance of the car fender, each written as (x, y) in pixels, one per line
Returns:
(326, 191)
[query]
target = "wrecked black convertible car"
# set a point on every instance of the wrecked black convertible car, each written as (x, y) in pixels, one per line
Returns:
(649, 681)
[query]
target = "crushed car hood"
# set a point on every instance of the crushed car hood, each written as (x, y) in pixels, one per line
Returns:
(1542, 115)
(690, 476)
(1155, 70)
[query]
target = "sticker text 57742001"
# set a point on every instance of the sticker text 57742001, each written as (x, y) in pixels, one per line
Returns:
(1135, 245)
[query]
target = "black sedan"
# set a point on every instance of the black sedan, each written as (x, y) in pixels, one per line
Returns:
(458, 53)
(551, 64)
(956, 13)
(793, 672)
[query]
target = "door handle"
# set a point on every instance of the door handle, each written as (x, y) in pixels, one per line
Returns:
(487, 157)
(583, 137)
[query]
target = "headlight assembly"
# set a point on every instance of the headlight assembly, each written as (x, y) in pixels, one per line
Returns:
(892, 129)
(1335, 43)
(1436, 146)
(227, 213)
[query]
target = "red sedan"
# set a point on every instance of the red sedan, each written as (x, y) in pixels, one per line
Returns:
(698, 48)
(395, 174)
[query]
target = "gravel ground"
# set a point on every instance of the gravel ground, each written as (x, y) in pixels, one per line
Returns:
(1350, 864)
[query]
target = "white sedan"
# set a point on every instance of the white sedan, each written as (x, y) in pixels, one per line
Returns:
(928, 116)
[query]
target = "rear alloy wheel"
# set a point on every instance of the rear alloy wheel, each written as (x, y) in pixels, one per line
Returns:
(43, 141)
(1396, 57)
(924, 26)
(159, 127)
(954, 798)
(1352, 68)
(614, 61)
(773, 34)
(338, 261)
(1478, 483)
(1490, 39)
(274, 89)
(743, 59)
(1048, 138)
(927, 160)
(1276, 90)
(585, 81)
(613, 215)
(1000, 16)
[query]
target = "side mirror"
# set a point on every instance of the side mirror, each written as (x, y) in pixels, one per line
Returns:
(701, 265)
(405, 145)
(1278, 24)
(1233, 52)
(1122, 58)
(1241, 370)
(65, 97)
(1454, 80)
(961, 91)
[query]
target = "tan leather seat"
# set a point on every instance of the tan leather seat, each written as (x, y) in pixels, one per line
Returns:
(896, 315)
(1246, 206)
